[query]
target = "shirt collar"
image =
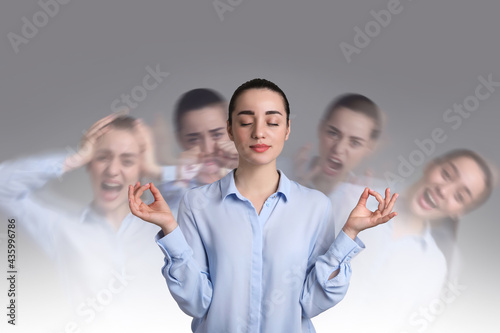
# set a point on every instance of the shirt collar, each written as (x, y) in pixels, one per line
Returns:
(228, 186)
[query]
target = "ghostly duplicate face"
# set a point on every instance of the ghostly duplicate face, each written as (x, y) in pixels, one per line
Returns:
(259, 127)
(344, 140)
(204, 128)
(448, 189)
(115, 165)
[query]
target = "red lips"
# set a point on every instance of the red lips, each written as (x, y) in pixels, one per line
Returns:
(260, 148)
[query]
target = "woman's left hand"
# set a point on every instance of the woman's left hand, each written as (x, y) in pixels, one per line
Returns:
(362, 218)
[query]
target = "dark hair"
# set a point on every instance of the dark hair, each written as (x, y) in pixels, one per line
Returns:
(194, 100)
(257, 84)
(123, 122)
(360, 104)
(483, 165)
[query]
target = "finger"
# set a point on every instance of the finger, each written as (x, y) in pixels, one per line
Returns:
(101, 123)
(391, 204)
(157, 194)
(140, 191)
(386, 218)
(137, 185)
(387, 196)
(94, 133)
(134, 208)
(363, 197)
(381, 203)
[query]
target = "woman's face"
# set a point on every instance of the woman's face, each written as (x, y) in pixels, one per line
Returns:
(115, 165)
(448, 189)
(204, 128)
(344, 140)
(259, 126)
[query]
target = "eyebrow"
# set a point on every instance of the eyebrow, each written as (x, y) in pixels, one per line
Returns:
(331, 127)
(252, 113)
(216, 129)
(194, 134)
(126, 155)
(457, 172)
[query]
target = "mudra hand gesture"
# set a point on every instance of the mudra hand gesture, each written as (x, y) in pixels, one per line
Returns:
(157, 212)
(362, 218)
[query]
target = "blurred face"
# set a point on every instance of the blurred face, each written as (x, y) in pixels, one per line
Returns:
(448, 189)
(259, 127)
(344, 140)
(204, 128)
(115, 165)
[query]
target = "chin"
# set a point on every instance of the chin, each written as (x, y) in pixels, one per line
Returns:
(109, 206)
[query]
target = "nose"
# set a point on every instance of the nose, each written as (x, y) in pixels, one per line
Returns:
(207, 146)
(258, 130)
(444, 190)
(113, 167)
(340, 147)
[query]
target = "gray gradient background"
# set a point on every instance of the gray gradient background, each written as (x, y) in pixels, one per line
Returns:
(424, 61)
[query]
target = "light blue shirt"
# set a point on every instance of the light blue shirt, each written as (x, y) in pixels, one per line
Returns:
(234, 270)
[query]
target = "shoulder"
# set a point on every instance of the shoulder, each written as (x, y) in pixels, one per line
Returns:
(203, 194)
(307, 196)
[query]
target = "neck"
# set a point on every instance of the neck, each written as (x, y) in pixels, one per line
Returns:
(114, 217)
(409, 223)
(252, 181)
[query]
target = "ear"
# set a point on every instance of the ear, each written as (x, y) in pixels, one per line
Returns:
(229, 129)
(288, 130)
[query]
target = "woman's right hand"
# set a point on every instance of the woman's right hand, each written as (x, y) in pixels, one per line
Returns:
(158, 212)
(87, 145)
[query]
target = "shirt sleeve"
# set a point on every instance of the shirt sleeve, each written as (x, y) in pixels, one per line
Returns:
(19, 179)
(320, 293)
(186, 267)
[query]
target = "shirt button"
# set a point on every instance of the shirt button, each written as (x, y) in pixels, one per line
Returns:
(355, 251)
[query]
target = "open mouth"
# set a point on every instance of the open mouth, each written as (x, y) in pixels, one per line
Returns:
(427, 200)
(111, 190)
(333, 166)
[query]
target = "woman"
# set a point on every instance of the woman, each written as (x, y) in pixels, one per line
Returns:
(98, 253)
(208, 154)
(416, 254)
(255, 251)
(348, 133)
